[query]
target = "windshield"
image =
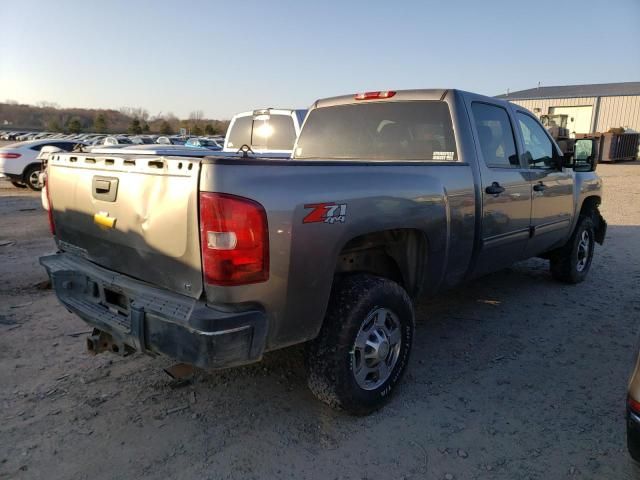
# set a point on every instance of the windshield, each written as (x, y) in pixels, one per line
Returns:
(274, 133)
(411, 130)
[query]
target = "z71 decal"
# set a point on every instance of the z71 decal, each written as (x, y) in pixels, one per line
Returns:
(326, 213)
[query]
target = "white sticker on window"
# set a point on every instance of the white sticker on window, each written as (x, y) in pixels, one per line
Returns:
(443, 155)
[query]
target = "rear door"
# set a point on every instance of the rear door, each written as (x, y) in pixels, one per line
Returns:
(551, 186)
(135, 216)
(506, 189)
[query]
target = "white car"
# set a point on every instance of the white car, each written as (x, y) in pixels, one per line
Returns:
(19, 161)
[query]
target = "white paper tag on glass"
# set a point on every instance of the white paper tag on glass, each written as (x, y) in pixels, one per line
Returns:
(443, 155)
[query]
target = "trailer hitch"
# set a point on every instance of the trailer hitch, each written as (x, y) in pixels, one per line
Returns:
(100, 341)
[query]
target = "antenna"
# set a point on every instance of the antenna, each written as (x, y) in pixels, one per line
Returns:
(538, 85)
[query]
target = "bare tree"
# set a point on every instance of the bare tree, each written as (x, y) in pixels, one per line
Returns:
(45, 104)
(196, 116)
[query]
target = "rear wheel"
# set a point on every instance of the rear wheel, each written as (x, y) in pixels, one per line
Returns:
(32, 178)
(18, 184)
(571, 263)
(364, 344)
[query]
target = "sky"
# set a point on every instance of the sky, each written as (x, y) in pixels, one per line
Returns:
(223, 57)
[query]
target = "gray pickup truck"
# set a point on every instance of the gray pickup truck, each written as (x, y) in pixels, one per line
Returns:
(388, 195)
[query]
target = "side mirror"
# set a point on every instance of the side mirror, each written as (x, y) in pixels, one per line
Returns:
(584, 155)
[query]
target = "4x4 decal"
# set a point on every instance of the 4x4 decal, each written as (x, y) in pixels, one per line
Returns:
(326, 213)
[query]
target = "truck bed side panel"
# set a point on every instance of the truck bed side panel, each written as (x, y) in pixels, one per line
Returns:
(438, 200)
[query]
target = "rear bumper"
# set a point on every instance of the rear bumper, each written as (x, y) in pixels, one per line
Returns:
(154, 320)
(633, 434)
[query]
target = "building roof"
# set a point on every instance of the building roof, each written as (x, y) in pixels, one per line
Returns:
(572, 91)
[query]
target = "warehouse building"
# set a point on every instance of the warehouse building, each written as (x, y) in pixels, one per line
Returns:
(589, 108)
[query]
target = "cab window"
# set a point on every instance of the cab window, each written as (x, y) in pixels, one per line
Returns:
(538, 147)
(495, 136)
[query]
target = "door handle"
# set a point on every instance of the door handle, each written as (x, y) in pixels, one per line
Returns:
(103, 186)
(539, 187)
(494, 189)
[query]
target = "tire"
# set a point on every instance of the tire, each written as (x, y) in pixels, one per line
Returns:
(31, 178)
(344, 371)
(571, 263)
(18, 184)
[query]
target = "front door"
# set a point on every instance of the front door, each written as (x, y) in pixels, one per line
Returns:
(551, 185)
(506, 189)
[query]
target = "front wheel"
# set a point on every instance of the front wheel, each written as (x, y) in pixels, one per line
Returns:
(364, 344)
(571, 263)
(32, 178)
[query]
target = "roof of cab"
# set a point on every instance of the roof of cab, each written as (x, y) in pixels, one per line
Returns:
(404, 95)
(427, 94)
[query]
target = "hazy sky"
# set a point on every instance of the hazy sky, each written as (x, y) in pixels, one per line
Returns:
(225, 57)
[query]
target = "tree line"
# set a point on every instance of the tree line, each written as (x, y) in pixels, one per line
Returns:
(49, 117)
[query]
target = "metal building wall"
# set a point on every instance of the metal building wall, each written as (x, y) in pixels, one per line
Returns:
(545, 103)
(619, 112)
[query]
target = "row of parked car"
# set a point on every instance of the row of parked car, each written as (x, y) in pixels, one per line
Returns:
(262, 132)
(110, 139)
(21, 162)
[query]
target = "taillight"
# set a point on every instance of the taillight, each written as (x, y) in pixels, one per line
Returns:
(234, 240)
(47, 186)
(10, 155)
(374, 95)
(633, 404)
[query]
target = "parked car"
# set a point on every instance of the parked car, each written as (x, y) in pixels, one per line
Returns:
(170, 140)
(203, 143)
(19, 162)
(13, 135)
(388, 195)
(264, 131)
(141, 140)
(43, 158)
(119, 140)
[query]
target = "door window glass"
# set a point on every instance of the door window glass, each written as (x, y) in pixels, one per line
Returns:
(538, 147)
(495, 136)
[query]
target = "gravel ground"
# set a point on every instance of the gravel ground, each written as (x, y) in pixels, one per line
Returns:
(513, 376)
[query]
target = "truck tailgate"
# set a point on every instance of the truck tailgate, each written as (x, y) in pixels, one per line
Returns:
(136, 216)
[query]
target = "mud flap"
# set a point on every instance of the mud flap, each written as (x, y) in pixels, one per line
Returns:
(600, 226)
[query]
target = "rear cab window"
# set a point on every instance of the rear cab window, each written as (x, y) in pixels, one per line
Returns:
(276, 132)
(418, 130)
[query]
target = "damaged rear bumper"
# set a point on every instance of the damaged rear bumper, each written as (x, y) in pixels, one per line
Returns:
(154, 320)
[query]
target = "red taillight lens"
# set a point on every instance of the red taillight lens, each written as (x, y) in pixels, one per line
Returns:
(234, 240)
(633, 404)
(10, 155)
(47, 186)
(374, 95)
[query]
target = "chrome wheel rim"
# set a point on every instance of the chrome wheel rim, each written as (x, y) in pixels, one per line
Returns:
(376, 348)
(584, 247)
(34, 179)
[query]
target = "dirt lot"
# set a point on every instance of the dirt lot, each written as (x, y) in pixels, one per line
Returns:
(513, 377)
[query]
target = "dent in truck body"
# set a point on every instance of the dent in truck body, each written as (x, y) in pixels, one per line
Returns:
(155, 209)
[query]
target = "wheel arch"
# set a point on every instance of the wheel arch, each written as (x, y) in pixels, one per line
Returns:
(589, 208)
(396, 254)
